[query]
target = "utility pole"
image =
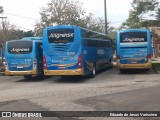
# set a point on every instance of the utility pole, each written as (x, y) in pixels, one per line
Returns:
(1, 44)
(3, 23)
(105, 16)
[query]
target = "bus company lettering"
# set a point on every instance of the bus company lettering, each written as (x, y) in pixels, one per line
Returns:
(20, 50)
(134, 40)
(58, 35)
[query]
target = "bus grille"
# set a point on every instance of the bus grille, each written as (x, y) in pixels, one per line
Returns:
(61, 48)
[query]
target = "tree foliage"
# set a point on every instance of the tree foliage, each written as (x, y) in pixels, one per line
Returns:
(144, 6)
(158, 14)
(29, 33)
(60, 12)
(1, 9)
(7, 31)
(139, 9)
(11, 32)
(112, 33)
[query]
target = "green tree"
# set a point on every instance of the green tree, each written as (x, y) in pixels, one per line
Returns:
(9, 32)
(139, 9)
(60, 12)
(158, 14)
(1, 9)
(112, 33)
(28, 33)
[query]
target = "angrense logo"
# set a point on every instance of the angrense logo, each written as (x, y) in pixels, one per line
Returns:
(58, 35)
(134, 40)
(20, 50)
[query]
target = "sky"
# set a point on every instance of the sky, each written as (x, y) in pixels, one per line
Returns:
(25, 13)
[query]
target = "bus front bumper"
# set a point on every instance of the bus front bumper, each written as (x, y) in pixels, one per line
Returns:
(134, 66)
(64, 72)
(30, 72)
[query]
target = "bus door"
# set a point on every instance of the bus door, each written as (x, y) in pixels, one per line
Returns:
(39, 57)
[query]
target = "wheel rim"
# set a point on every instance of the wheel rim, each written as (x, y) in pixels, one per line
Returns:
(94, 70)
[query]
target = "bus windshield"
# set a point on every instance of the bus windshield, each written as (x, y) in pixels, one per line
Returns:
(61, 35)
(20, 47)
(133, 37)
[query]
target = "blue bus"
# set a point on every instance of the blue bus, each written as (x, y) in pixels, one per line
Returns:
(72, 50)
(24, 57)
(134, 49)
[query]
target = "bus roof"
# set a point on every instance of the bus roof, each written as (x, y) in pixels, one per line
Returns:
(32, 38)
(72, 26)
(131, 30)
(27, 38)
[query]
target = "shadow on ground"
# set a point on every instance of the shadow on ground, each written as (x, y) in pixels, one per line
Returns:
(136, 71)
(78, 79)
(34, 79)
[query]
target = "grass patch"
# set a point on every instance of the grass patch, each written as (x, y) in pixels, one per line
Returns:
(156, 66)
(2, 73)
(114, 58)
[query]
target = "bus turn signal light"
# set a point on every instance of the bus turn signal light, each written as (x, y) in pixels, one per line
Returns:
(80, 61)
(118, 56)
(44, 62)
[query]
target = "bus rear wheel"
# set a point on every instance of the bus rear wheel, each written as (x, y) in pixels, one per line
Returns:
(110, 64)
(27, 76)
(93, 74)
(122, 71)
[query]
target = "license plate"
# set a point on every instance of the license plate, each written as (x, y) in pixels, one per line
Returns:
(62, 67)
(133, 62)
(19, 66)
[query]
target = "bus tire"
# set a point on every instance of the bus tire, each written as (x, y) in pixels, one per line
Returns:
(147, 70)
(110, 64)
(121, 71)
(41, 75)
(93, 74)
(27, 76)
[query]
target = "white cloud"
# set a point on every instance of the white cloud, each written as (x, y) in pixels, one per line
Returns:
(24, 13)
(117, 10)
